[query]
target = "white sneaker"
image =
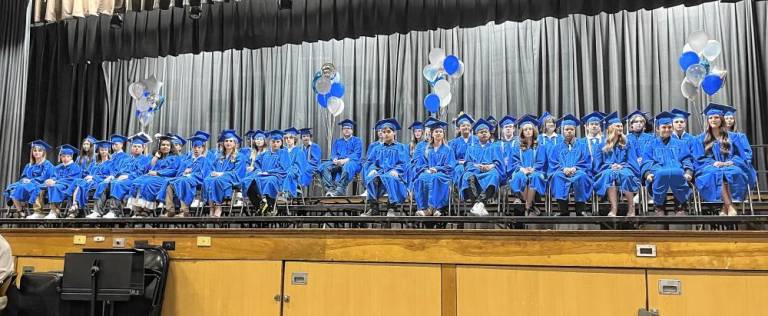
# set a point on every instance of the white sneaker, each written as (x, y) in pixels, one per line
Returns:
(110, 215)
(517, 201)
(195, 203)
(391, 213)
(93, 215)
(421, 213)
(437, 213)
(636, 199)
(51, 215)
(365, 193)
(35, 216)
(479, 209)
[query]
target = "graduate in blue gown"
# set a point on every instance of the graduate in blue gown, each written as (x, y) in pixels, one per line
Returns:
(227, 171)
(370, 152)
(257, 147)
(548, 136)
(525, 168)
(593, 134)
(97, 171)
(570, 165)
(344, 161)
(616, 167)
(87, 152)
(163, 166)
(679, 126)
(434, 173)
(417, 135)
(209, 153)
(266, 181)
(38, 169)
(637, 137)
(507, 139)
(743, 140)
(59, 187)
(386, 170)
(181, 189)
(720, 165)
(418, 147)
(299, 167)
(494, 128)
(178, 147)
(460, 144)
(118, 153)
(114, 189)
(667, 166)
(313, 153)
(483, 170)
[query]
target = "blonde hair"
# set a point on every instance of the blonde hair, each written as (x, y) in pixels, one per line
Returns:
(32, 158)
(613, 138)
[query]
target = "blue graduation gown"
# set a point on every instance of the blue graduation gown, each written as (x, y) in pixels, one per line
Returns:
(478, 154)
(667, 162)
(36, 174)
(388, 158)
(529, 158)
(298, 169)
(546, 143)
(460, 146)
(269, 173)
(433, 189)
(217, 189)
(98, 172)
(351, 148)
(577, 156)
(709, 179)
(313, 154)
(746, 149)
(639, 141)
(369, 156)
(593, 145)
(65, 176)
(412, 171)
(625, 179)
(185, 185)
(133, 168)
(506, 147)
(148, 186)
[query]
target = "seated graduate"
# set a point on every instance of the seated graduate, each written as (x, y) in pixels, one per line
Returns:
(256, 141)
(507, 139)
(616, 167)
(344, 161)
(210, 154)
(87, 151)
(35, 172)
(118, 155)
(730, 124)
(417, 135)
(298, 168)
(386, 170)
(593, 131)
(637, 137)
(180, 190)
(483, 170)
(494, 128)
(162, 167)
(434, 173)
(460, 144)
(58, 188)
(570, 166)
(419, 148)
(227, 170)
(721, 170)
(313, 153)
(525, 169)
(265, 182)
(178, 147)
(370, 152)
(548, 135)
(95, 173)
(679, 124)
(117, 185)
(667, 165)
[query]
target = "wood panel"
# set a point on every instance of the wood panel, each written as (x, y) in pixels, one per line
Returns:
(712, 293)
(223, 287)
(353, 289)
(679, 250)
(40, 264)
(488, 291)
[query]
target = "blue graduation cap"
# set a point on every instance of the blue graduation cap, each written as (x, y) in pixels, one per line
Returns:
(528, 119)
(291, 131)
(197, 140)
(680, 114)
(635, 113)
(117, 138)
(276, 134)
(664, 118)
(40, 144)
(544, 116)
(203, 135)
(305, 131)
(491, 119)
(103, 144)
(388, 123)
(176, 139)
(416, 125)
(568, 120)
(91, 139)
(612, 118)
(228, 134)
(718, 109)
(139, 140)
(347, 123)
(507, 120)
(68, 150)
(437, 124)
(250, 134)
(260, 134)
(429, 121)
(464, 118)
(480, 125)
(593, 117)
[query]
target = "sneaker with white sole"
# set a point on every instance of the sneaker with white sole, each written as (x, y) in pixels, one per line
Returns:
(195, 203)
(421, 213)
(36, 216)
(479, 209)
(110, 214)
(437, 213)
(391, 213)
(93, 215)
(51, 215)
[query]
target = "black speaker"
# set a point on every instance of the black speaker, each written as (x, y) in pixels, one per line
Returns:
(285, 4)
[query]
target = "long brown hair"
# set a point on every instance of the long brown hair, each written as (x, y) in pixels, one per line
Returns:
(709, 139)
(32, 158)
(86, 155)
(533, 142)
(613, 138)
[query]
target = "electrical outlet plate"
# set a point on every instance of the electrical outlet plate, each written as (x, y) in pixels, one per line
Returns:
(99, 238)
(203, 241)
(79, 240)
(118, 242)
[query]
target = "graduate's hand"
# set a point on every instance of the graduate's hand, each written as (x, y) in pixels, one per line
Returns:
(649, 178)
(88, 178)
(394, 173)
(617, 166)
(688, 177)
(729, 163)
(157, 155)
(718, 164)
(371, 173)
(152, 173)
(263, 173)
(50, 182)
(640, 160)
(249, 169)
(188, 171)
(25, 181)
(432, 170)
(123, 177)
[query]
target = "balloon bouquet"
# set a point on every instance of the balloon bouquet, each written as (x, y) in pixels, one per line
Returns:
(147, 98)
(696, 59)
(328, 89)
(438, 73)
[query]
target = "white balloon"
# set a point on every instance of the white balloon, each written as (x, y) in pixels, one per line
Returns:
(136, 90)
(323, 85)
(698, 40)
(689, 89)
(712, 50)
(436, 56)
(695, 73)
(143, 104)
(152, 84)
(444, 101)
(459, 72)
(430, 73)
(687, 48)
(335, 106)
(442, 88)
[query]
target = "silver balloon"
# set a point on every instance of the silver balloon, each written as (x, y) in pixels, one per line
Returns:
(152, 84)
(436, 56)
(442, 88)
(323, 85)
(136, 90)
(444, 101)
(328, 70)
(335, 106)
(696, 73)
(430, 73)
(698, 40)
(689, 89)
(712, 50)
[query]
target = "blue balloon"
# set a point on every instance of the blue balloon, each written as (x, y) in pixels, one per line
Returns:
(337, 90)
(322, 100)
(432, 103)
(687, 59)
(711, 84)
(451, 64)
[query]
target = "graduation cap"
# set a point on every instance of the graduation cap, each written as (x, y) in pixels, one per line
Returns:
(429, 121)
(117, 138)
(388, 123)
(167, 137)
(197, 140)
(176, 139)
(229, 134)
(103, 144)
(635, 113)
(480, 125)
(464, 118)
(416, 125)
(139, 140)
(491, 119)
(544, 116)
(528, 119)
(568, 120)
(68, 150)
(718, 109)
(40, 144)
(305, 131)
(91, 139)
(680, 114)
(347, 123)
(592, 117)
(250, 134)
(291, 132)
(276, 134)
(611, 119)
(203, 135)
(260, 134)
(437, 124)
(664, 118)
(507, 120)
